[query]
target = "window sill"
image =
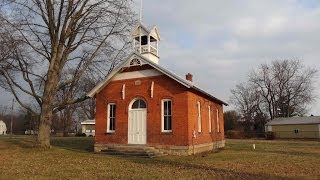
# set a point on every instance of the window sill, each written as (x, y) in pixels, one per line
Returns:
(166, 132)
(112, 132)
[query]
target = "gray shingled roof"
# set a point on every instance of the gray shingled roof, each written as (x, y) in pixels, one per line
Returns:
(295, 120)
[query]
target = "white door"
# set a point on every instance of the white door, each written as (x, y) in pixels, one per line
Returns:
(137, 122)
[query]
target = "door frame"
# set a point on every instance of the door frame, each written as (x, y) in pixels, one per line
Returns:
(138, 109)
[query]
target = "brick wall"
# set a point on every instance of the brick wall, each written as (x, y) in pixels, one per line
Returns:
(204, 136)
(184, 112)
(164, 87)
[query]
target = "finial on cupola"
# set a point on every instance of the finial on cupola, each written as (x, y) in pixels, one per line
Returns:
(146, 41)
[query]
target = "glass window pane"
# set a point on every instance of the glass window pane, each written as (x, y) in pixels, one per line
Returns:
(110, 110)
(169, 107)
(135, 105)
(138, 104)
(165, 108)
(112, 123)
(169, 123)
(165, 125)
(142, 104)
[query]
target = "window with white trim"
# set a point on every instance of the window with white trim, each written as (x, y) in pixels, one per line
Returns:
(166, 114)
(218, 125)
(111, 125)
(209, 118)
(199, 117)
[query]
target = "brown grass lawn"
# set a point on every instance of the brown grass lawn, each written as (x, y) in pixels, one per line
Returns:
(72, 158)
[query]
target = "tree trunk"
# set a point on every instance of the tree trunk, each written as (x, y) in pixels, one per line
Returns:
(50, 89)
(66, 121)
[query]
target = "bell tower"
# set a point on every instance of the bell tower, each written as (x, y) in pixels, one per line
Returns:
(146, 41)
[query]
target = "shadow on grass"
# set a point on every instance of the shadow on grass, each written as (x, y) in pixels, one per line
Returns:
(217, 172)
(79, 144)
(21, 141)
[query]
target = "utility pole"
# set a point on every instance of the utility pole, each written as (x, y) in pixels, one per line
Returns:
(11, 123)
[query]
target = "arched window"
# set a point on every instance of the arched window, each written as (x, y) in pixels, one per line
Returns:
(135, 62)
(139, 104)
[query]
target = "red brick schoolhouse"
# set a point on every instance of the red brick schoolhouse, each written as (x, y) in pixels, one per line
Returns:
(142, 103)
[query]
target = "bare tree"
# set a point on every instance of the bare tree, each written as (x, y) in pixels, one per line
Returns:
(283, 88)
(67, 116)
(87, 109)
(286, 87)
(247, 100)
(53, 36)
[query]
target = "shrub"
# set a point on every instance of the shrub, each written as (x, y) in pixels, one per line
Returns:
(270, 135)
(81, 135)
(233, 134)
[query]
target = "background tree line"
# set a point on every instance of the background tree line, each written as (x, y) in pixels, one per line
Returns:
(282, 88)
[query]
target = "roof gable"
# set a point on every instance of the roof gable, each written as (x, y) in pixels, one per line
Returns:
(136, 59)
(155, 33)
(136, 31)
(145, 31)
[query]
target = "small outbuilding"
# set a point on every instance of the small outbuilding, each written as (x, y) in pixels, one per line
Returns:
(295, 127)
(3, 128)
(88, 127)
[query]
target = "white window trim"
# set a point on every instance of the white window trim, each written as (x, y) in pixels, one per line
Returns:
(162, 116)
(108, 118)
(209, 117)
(199, 117)
(218, 124)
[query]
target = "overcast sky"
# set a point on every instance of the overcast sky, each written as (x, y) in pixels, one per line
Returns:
(219, 42)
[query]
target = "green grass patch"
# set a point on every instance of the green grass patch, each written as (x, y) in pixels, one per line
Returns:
(73, 158)
(74, 143)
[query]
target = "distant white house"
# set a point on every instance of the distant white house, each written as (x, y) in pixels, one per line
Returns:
(3, 128)
(88, 127)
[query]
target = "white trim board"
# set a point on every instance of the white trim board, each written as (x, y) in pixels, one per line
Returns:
(136, 74)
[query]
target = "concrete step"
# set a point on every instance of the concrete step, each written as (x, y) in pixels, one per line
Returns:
(133, 150)
(136, 154)
(131, 147)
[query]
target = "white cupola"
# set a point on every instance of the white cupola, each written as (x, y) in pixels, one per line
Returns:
(146, 42)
